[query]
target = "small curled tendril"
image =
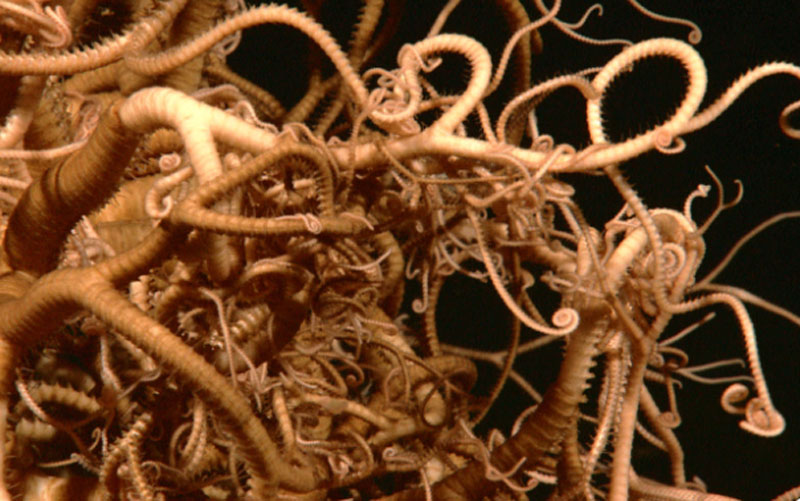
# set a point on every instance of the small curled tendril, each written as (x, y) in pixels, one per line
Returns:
(702, 191)
(559, 190)
(421, 305)
(762, 419)
(426, 65)
(543, 143)
(667, 143)
(784, 121)
(312, 222)
(157, 202)
(669, 419)
(674, 258)
(734, 394)
(695, 35)
(158, 209)
(566, 319)
(564, 283)
(169, 162)
(582, 21)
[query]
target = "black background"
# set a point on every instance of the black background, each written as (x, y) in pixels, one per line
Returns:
(744, 143)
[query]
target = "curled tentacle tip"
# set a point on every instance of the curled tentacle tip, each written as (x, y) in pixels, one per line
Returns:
(158, 210)
(669, 419)
(566, 319)
(787, 129)
(734, 394)
(668, 143)
(766, 423)
(169, 162)
(761, 418)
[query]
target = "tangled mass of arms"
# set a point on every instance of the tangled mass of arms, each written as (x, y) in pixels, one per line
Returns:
(208, 293)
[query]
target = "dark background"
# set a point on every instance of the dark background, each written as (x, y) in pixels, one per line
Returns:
(744, 143)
